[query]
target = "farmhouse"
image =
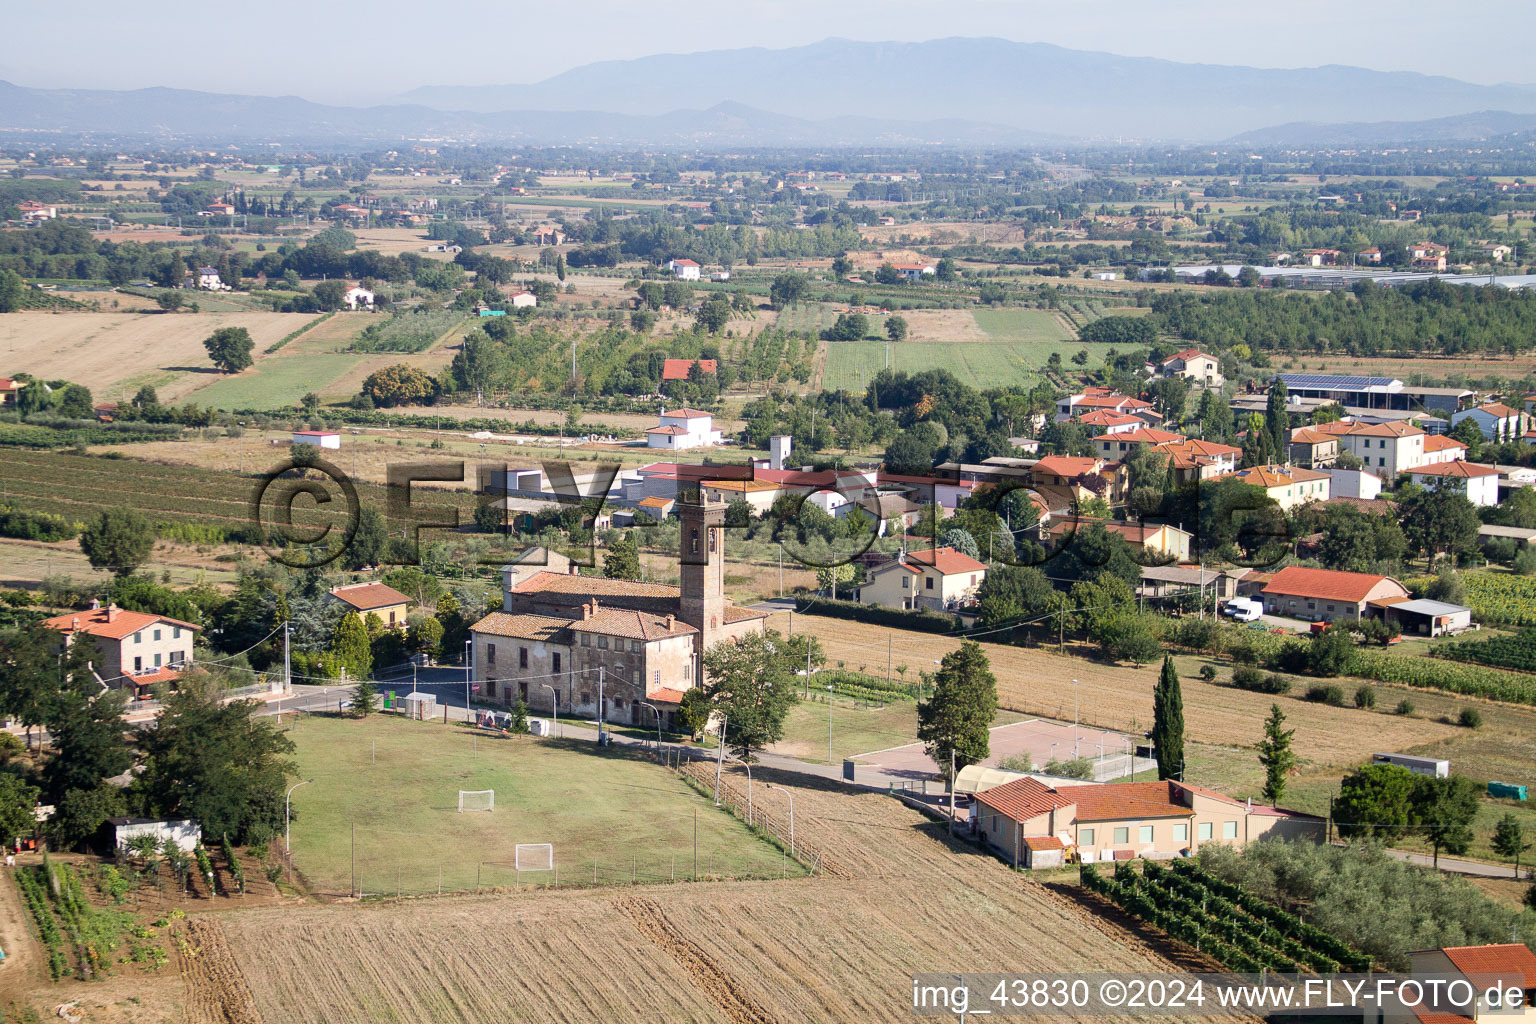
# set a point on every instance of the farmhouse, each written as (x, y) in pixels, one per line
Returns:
(914, 271)
(1119, 821)
(523, 300)
(33, 211)
(1194, 365)
(1199, 460)
(135, 648)
(1479, 484)
(1325, 595)
(208, 279)
(684, 270)
(1480, 969)
(375, 599)
(318, 438)
(939, 579)
(617, 648)
(684, 428)
(9, 390)
(1112, 446)
(358, 297)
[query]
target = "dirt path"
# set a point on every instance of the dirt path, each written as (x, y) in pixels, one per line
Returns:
(23, 960)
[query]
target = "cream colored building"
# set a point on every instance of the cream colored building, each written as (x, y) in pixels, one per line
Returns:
(134, 649)
(1386, 449)
(939, 580)
(1289, 486)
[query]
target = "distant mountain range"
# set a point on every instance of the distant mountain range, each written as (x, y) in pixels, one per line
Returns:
(977, 92)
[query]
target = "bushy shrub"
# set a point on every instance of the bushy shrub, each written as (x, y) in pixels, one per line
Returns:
(1208, 672)
(1404, 707)
(1331, 694)
(1365, 697)
(1470, 718)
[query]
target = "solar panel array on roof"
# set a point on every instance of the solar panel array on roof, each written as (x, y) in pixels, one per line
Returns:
(1320, 380)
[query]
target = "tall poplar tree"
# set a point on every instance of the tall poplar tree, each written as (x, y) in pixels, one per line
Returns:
(1168, 723)
(1275, 754)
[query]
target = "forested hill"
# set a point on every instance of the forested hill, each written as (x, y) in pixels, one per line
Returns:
(1369, 320)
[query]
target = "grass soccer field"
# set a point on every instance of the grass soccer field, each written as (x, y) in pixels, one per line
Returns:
(398, 781)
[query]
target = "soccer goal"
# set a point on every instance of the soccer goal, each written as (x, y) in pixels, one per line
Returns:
(477, 800)
(535, 857)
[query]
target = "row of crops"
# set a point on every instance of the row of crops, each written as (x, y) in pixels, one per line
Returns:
(1497, 598)
(413, 331)
(77, 937)
(1517, 651)
(1241, 931)
(1433, 674)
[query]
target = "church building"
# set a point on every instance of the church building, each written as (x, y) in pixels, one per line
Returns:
(570, 641)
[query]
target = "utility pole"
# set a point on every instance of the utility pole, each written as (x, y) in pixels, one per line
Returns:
(602, 708)
(287, 663)
(951, 791)
(695, 844)
(354, 858)
(720, 759)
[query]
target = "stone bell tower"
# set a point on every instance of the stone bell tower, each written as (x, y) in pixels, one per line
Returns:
(703, 567)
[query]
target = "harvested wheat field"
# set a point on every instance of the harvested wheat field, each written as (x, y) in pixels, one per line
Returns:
(1038, 681)
(898, 898)
(113, 354)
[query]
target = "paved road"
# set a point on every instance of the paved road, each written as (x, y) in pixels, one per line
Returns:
(1456, 865)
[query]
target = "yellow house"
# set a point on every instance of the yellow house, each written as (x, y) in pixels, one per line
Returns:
(1289, 486)
(377, 599)
(939, 580)
(760, 494)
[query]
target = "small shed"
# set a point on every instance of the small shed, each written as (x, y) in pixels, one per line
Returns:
(318, 438)
(1043, 852)
(419, 705)
(1428, 618)
(187, 835)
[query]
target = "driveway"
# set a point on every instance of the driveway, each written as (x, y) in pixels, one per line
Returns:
(1457, 866)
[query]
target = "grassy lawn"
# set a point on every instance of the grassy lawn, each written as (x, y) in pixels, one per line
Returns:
(1031, 326)
(277, 382)
(981, 364)
(398, 782)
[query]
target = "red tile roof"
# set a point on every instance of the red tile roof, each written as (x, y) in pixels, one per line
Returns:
(670, 431)
(625, 622)
(1107, 418)
(1328, 584)
(665, 695)
(1505, 959)
(677, 369)
(1068, 466)
(1457, 467)
(947, 561)
(1023, 799)
(1187, 355)
(1110, 402)
(367, 596)
(1440, 443)
(1143, 435)
(1498, 409)
(684, 263)
(1121, 800)
(1044, 843)
(687, 414)
(111, 622)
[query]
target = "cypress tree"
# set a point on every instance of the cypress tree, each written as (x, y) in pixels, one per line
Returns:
(1168, 723)
(1275, 754)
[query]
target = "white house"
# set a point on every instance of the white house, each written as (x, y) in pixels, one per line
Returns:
(187, 835)
(1479, 483)
(358, 296)
(318, 438)
(1194, 365)
(720, 276)
(208, 279)
(1352, 483)
(940, 579)
(914, 271)
(523, 300)
(684, 428)
(684, 270)
(1386, 449)
(1497, 421)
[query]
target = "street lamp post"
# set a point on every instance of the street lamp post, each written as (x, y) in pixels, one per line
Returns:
(287, 805)
(554, 693)
(1074, 719)
(791, 796)
(720, 759)
(829, 723)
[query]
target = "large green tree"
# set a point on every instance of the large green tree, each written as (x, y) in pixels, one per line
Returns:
(230, 348)
(1375, 802)
(1444, 810)
(751, 683)
(955, 720)
(120, 540)
(622, 562)
(1168, 723)
(1509, 840)
(1276, 755)
(351, 647)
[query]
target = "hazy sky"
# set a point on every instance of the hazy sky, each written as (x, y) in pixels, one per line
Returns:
(360, 53)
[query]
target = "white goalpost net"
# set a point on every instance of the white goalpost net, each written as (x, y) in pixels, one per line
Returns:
(535, 857)
(477, 800)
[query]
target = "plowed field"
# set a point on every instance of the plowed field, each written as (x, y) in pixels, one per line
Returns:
(898, 899)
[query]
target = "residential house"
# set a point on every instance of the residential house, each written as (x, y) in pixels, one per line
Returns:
(1194, 365)
(523, 299)
(1496, 253)
(358, 297)
(656, 506)
(220, 209)
(1106, 421)
(1118, 821)
(1497, 421)
(1371, 255)
(684, 270)
(684, 428)
(1289, 486)
(1075, 479)
(935, 579)
(378, 599)
(10, 390)
(1199, 460)
(134, 649)
(1323, 257)
(1428, 255)
(1326, 595)
(1117, 446)
(1164, 541)
(32, 211)
(1387, 449)
(557, 630)
(1479, 484)
(1315, 449)
(1103, 398)
(914, 271)
(547, 236)
(1474, 983)
(1440, 448)
(208, 279)
(760, 494)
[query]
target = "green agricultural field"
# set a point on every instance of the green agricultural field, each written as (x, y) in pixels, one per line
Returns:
(398, 781)
(277, 382)
(1034, 326)
(981, 364)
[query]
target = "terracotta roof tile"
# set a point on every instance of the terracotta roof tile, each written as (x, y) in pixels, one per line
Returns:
(1121, 800)
(111, 623)
(523, 627)
(1456, 467)
(1022, 799)
(1505, 959)
(367, 596)
(1328, 584)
